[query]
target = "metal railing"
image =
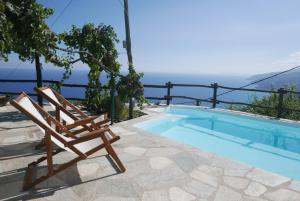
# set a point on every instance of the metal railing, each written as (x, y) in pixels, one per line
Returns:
(214, 99)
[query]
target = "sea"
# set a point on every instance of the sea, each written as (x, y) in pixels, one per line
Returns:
(80, 77)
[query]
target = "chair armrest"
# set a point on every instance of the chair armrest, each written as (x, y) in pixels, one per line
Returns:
(102, 123)
(105, 115)
(90, 136)
(81, 122)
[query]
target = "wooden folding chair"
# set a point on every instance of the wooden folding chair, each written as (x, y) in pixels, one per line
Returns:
(61, 106)
(81, 121)
(82, 146)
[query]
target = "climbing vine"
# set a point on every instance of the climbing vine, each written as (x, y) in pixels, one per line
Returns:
(99, 42)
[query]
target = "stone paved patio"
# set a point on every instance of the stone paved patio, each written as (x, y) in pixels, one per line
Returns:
(158, 169)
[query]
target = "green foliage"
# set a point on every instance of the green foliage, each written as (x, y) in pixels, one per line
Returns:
(23, 30)
(122, 111)
(234, 107)
(290, 101)
(99, 42)
(130, 86)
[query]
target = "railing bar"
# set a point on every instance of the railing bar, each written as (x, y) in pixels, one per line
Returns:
(15, 93)
(154, 86)
(76, 85)
(246, 104)
(293, 92)
(243, 89)
(192, 85)
(191, 98)
(156, 98)
(289, 109)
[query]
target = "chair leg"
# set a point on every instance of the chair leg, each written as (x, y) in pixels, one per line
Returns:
(113, 154)
(49, 154)
(40, 144)
(28, 183)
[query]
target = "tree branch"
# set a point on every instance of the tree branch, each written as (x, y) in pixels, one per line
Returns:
(92, 56)
(74, 61)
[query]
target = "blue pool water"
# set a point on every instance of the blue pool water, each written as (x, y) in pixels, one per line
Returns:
(267, 144)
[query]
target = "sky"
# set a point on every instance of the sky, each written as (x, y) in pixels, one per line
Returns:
(234, 37)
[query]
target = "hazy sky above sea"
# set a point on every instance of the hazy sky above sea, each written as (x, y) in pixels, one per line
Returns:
(194, 36)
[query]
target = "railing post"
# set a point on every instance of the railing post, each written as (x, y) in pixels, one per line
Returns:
(112, 97)
(214, 99)
(58, 86)
(169, 86)
(130, 108)
(281, 93)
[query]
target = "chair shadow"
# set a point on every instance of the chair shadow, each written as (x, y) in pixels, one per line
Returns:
(12, 128)
(11, 183)
(19, 150)
(12, 116)
(15, 116)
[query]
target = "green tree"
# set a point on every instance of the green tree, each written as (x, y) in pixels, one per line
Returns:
(24, 31)
(96, 48)
(290, 101)
(129, 87)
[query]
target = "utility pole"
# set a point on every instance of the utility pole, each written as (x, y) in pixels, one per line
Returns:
(128, 39)
(128, 50)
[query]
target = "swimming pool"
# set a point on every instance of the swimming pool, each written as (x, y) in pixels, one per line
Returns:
(268, 144)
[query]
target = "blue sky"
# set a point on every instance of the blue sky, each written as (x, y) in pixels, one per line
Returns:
(195, 36)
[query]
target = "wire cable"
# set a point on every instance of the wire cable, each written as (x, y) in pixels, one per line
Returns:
(61, 13)
(257, 81)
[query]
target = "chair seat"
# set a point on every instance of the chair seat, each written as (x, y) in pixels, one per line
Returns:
(88, 145)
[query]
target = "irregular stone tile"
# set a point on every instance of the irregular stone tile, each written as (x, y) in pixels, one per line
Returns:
(199, 189)
(205, 155)
(155, 195)
(117, 187)
(87, 169)
(226, 194)
(187, 162)
(159, 163)
(118, 129)
(64, 194)
(255, 189)
(205, 178)
(122, 131)
(15, 139)
(295, 185)
(162, 151)
(177, 194)
(86, 191)
(137, 151)
(236, 182)
(249, 198)
(231, 168)
(114, 198)
(267, 178)
(130, 133)
(164, 178)
(216, 171)
(12, 189)
(283, 195)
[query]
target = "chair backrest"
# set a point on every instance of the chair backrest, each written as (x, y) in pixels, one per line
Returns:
(28, 107)
(53, 99)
